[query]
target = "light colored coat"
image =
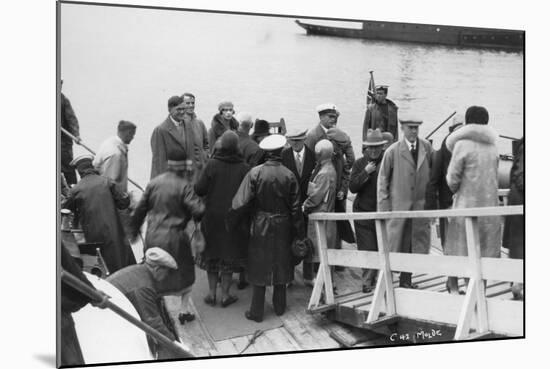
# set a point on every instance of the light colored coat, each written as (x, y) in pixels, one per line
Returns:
(402, 186)
(321, 196)
(111, 161)
(473, 177)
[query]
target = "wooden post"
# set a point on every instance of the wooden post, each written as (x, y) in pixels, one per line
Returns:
(475, 296)
(384, 287)
(321, 229)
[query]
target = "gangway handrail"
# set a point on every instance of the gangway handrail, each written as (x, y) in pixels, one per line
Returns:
(414, 214)
(393, 302)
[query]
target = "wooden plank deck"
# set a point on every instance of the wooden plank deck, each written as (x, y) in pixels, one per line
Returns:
(305, 331)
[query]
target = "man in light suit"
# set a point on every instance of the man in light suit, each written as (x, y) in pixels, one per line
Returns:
(328, 117)
(402, 180)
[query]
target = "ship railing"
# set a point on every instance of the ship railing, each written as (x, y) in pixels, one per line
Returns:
(470, 311)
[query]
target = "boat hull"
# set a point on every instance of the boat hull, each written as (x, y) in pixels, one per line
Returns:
(425, 33)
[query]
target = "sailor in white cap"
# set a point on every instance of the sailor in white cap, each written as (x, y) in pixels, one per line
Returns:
(271, 193)
(381, 113)
(328, 118)
(402, 181)
(301, 161)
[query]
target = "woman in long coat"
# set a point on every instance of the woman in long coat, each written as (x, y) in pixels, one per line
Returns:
(169, 203)
(221, 122)
(272, 192)
(321, 196)
(225, 251)
(473, 177)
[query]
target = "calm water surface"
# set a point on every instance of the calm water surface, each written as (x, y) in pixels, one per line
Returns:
(121, 63)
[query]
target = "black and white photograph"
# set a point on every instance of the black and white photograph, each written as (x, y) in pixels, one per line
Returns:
(236, 183)
(243, 184)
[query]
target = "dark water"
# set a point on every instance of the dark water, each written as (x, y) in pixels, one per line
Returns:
(125, 64)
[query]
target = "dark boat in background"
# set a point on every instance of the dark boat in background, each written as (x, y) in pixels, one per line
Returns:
(490, 38)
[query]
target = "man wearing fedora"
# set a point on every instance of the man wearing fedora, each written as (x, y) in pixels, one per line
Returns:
(272, 193)
(328, 118)
(364, 176)
(301, 161)
(402, 180)
(94, 201)
(381, 113)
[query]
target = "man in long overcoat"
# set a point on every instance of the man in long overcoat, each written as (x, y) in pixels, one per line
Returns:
(95, 200)
(177, 137)
(273, 193)
(169, 202)
(301, 161)
(247, 146)
(381, 113)
(404, 174)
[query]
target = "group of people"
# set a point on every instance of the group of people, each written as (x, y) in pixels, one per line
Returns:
(250, 196)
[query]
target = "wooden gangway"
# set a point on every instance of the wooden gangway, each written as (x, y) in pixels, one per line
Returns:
(474, 314)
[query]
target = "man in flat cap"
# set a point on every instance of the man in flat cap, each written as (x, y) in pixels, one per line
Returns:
(328, 118)
(175, 135)
(95, 200)
(169, 203)
(381, 113)
(301, 161)
(143, 285)
(273, 193)
(222, 121)
(402, 180)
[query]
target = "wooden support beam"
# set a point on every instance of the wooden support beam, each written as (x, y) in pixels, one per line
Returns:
(474, 253)
(320, 228)
(317, 289)
(386, 320)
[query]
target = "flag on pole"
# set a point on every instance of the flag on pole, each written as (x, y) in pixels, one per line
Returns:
(371, 91)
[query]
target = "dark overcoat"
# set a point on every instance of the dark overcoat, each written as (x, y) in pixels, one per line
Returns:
(248, 148)
(307, 168)
(169, 202)
(315, 135)
(514, 226)
(70, 123)
(364, 185)
(374, 118)
(273, 193)
(95, 200)
(217, 184)
(438, 193)
(218, 127)
(165, 140)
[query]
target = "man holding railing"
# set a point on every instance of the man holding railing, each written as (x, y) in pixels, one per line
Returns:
(402, 180)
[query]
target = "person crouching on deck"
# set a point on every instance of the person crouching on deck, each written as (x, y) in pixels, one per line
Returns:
(170, 202)
(142, 285)
(322, 195)
(364, 176)
(273, 193)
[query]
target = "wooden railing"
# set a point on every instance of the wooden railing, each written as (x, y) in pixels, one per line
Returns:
(488, 315)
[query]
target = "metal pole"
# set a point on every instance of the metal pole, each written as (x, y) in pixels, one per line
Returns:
(79, 142)
(439, 126)
(76, 283)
